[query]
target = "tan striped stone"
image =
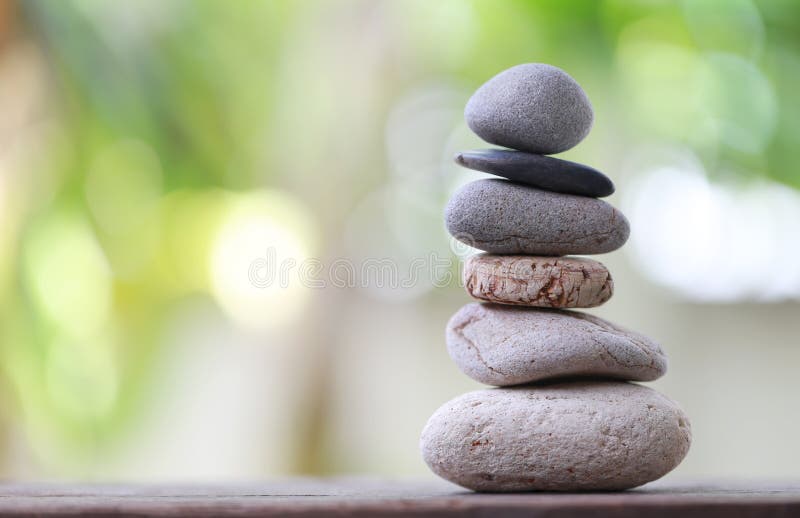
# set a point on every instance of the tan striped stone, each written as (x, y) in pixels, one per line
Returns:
(544, 282)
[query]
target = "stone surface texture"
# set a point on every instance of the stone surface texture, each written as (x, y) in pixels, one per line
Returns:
(544, 172)
(505, 345)
(532, 107)
(569, 436)
(503, 217)
(544, 282)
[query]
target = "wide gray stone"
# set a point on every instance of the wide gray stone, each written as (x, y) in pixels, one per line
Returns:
(533, 107)
(567, 436)
(503, 217)
(505, 345)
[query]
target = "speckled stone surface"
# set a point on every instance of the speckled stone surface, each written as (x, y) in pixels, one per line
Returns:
(544, 282)
(503, 217)
(532, 107)
(504, 345)
(566, 436)
(545, 172)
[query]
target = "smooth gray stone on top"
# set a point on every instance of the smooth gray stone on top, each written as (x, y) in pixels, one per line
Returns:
(505, 345)
(503, 217)
(544, 172)
(567, 436)
(533, 107)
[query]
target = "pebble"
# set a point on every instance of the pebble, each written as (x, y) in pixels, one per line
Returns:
(503, 217)
(566, 436)
(532, 107)
(505, 345)
(545, 172)
(543, 282)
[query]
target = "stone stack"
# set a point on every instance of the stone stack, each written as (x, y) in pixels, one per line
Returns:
(566, 416)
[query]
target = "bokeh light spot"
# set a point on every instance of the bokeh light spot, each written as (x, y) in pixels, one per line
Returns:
(189, 220)
(123, 185)
(725, 25)
(742, 102)
(81, 378)
(710, 242)
(264, 238)
(667, 86)
(68, 274)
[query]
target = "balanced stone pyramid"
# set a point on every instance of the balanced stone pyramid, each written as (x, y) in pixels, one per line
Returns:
(566, 415)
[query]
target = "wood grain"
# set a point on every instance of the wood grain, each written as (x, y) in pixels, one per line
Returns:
(368, 497)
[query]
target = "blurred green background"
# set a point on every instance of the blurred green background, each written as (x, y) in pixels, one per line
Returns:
(151, 151)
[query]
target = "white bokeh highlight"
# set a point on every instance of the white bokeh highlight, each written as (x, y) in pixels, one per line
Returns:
(715, 242)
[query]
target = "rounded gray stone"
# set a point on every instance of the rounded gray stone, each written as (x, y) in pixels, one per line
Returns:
(533, 107)
(503, 217)
(506, 345)
(568, 436)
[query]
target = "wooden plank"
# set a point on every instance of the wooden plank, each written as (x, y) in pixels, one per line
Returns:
(368, 497)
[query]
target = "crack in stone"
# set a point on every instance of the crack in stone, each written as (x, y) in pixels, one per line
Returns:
(649, 350)
(459, 331)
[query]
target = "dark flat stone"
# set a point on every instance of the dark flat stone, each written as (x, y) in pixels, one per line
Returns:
(544, 172)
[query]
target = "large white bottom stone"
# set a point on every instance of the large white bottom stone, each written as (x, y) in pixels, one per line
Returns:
(565, 436)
